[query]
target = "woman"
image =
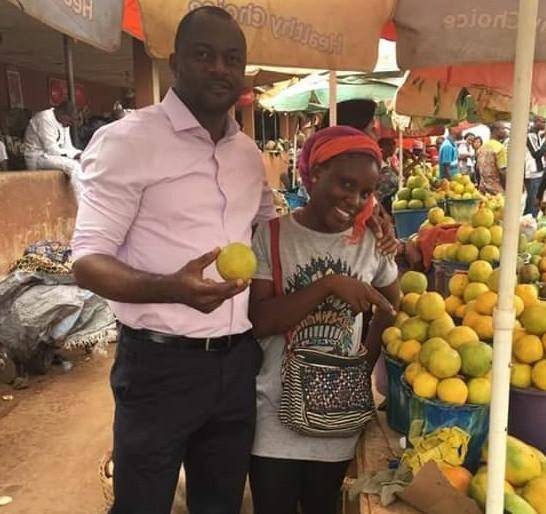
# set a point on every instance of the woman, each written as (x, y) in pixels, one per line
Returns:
(331, 272)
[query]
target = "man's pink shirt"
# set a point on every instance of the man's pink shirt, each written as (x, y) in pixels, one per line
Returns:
(158, 192)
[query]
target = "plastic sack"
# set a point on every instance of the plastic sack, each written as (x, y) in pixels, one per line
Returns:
(528, 226)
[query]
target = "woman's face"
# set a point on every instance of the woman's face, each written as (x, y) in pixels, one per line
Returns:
(477, 143)
(341, 188)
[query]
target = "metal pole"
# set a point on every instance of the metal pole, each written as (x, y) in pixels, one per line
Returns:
(400, 158)
(504, 315)
(332, 83)
(69, 68)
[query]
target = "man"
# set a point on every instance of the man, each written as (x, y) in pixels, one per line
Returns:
(467, 154)
(162, 188)
(534, 163)
(48, 144)
(387, 185)
(358, 114)
(3, 157)
(492, 160)
(449, 155)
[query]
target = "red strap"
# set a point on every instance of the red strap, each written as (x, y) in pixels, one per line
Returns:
(274, 229)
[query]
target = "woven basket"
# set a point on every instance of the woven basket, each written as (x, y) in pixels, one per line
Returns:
(106, 481)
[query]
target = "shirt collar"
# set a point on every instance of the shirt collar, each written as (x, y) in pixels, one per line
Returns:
(182, 118)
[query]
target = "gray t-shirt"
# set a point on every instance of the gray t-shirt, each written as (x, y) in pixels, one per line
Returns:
(306, 256)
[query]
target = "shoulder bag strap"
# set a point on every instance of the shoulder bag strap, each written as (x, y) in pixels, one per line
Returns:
(274, 229)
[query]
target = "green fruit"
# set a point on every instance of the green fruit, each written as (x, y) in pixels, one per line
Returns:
(404, 194)
(413, 282)
(535, 248)
(477, 359)
(514, 504)
(528, 274)
(480, 237)
(400, 205)
(415, 204)
(419, 194)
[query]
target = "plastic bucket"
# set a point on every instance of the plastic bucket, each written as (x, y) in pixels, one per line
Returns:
(527, 416)
(462, 210)
(473, 419)
(409, 221)
(398, 396)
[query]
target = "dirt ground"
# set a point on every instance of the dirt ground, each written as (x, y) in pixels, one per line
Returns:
(53, 436)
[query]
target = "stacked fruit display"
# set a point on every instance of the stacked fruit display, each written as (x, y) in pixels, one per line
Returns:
(443, 361)
(416, 195)
(437, 216)
(480, 239)
(525, 485)
(459, 188)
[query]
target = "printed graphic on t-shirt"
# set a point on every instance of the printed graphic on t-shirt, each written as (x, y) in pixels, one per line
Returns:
(330, 327)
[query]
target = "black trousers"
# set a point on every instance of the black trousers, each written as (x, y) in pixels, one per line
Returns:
(179, 405)
(279, 486)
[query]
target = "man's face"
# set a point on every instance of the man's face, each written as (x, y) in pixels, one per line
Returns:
(502, 133)
(540, 124)
(209, 65)
(64, 119)
(470, 139)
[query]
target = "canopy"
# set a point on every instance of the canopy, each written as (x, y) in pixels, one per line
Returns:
(97, 23)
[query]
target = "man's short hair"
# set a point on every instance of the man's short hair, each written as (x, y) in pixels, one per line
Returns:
(66, 107)
(469, 134)
(186, 22)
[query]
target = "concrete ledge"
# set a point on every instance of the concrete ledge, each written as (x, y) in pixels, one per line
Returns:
(34, 205)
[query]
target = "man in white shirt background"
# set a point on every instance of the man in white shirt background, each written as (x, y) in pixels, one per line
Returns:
(534, 163)
(48, 145)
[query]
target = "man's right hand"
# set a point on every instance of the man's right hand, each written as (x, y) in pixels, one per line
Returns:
(205, 295)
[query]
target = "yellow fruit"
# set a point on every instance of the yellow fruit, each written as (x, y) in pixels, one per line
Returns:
(496, 235)
(463, 233)
(490, 253)
(542, 264)
(477, 359)
(486, 302)
(444, 363)
(393, 347)
(462, 335)
(451, 252)
(534, 493)
(470, 318)
(483, 326)
(528, 293)
(436, 215)
(478, 487)
(519, 306)
(441, 327)
(480, 271)
(467, 253)
(518, 333)
(483, 218)
(533, 319)
(452, 390)
(430, 306)
(409, 351)
(538, 375)
(452, 304)
(479, 391)
(425, 385)
(412, 371)
(409, 303)
(400, 318)
(528, 349)
(439, 252)
(236, 261)
(522, 463)
(480, 237)
(429, 346)
(459, 312)
(544, 342)
(413, 282)
(473, 290)
(493, 280)
(414, 328)
(391, 334)
(470, 307)
(520, 375)
(457, 284)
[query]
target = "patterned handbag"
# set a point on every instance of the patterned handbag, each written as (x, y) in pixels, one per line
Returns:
(323, 395)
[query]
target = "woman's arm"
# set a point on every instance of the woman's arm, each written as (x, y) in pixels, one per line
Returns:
(380, 321)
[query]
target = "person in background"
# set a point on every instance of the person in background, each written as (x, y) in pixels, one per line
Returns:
(439, 142)
(3, 157)
(48, 144)
(358, 114)
(449, 155)
(467, 154)
(534, 164)
(387, 185)
(477, 143)
(492, 160)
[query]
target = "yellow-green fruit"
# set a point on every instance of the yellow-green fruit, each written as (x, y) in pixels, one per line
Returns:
(391, 334)
(538, 375)
(400, 318)
(522, 463)
(452, 390)
(429, 346)
(486, 302)
(479, 391)
(453, 304)
(451, 252)
(496, 235)
(425, 385)
(473, 290)
(412, 371)
(441, 327)
(480, 271)
(483, 218)
(478, 487)
(409, 351)
(409, 303)
(534, 492)
(520, 375)
(393, 347)
(236, 261)
(493, 280)
(414, 328)
(528, 293)
(477, 359)
(431, 306)
(413, 282)
(528, 349)
(480, 237)
(515, 504)
(444, 363)
(463, 233)
(436, 215)
(462, 335)
(457, 284)
(490, 254)
(467, 253)
(533, 319)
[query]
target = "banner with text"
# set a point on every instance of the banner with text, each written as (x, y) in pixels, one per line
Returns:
(96, 22)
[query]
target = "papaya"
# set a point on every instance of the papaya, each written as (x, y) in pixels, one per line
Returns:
(534, 493)
(478, 487)
(457, 476)
(514, 504)
(522, 461)
(542, 460)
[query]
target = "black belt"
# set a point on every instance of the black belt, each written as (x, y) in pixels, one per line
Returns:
(208, 344)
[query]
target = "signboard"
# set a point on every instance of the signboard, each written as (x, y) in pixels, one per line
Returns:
(96, 22)
(467, 31)
(58, 92)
